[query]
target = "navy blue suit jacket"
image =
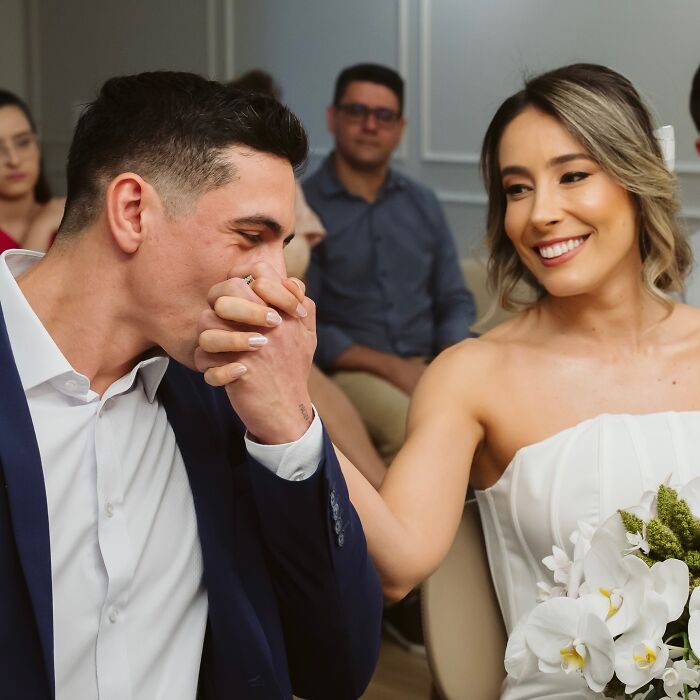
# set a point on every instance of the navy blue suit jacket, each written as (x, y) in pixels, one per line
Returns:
(294, 601)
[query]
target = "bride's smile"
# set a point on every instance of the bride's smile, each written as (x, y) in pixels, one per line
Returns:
(559, 250)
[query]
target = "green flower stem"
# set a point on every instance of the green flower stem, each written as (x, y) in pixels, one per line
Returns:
(686, 655)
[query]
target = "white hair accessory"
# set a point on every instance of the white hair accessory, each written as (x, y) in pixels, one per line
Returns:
(667, 142)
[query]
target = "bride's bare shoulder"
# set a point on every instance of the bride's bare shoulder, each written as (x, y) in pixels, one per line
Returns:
(489, 351)
(688, 315)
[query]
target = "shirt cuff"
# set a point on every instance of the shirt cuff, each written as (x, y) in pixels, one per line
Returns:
(293, 461)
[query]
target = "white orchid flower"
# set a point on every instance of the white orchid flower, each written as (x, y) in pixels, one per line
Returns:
(638, 541)
(581, 539)
(692, 695)
(546, 592)
(671, 580)
(640, 653)
(694, 621)
(621, 579)
(570, 635)
(690, 493)
(558, 562)
(677, 675)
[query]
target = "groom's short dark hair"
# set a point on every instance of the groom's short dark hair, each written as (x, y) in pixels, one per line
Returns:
(170, 128)
(695, 100)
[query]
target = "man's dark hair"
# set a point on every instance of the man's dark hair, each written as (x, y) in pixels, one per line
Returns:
(42, 191)
(370, 73)
(257, 80)
(170, 128)
(695, 100)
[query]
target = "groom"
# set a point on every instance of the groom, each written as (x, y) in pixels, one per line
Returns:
(160, 538)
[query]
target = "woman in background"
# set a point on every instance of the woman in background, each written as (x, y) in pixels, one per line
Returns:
(29, 217)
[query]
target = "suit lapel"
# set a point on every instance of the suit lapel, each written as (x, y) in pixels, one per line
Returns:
(24, 478)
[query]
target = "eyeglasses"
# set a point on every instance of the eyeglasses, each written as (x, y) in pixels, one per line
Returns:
(357, 112)
(19, 146)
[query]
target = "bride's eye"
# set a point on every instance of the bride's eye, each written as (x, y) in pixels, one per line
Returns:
(577, 176)
(516, 190)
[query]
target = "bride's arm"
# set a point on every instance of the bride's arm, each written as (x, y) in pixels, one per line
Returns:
(412, 521)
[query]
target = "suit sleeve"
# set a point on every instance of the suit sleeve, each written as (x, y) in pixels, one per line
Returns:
(327, 588)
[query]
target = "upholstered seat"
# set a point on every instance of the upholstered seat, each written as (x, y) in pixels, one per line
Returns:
(464, 633)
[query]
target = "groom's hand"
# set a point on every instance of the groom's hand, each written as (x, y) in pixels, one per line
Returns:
(258, 341)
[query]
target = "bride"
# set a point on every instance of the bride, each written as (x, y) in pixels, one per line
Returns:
(587, 398)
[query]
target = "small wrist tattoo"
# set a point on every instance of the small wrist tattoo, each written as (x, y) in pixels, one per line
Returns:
(304, 413)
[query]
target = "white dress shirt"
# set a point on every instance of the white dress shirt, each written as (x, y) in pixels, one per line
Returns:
(129, 602)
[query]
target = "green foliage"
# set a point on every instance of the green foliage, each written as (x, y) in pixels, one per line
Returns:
(645, 558)
(663, 541)
(632, 523)
(683, 524)
(666, 501)
(692, 559)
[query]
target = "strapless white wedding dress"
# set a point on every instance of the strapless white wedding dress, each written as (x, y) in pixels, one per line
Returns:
(584, 473)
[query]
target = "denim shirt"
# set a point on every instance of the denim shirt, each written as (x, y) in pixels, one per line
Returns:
(387, 275)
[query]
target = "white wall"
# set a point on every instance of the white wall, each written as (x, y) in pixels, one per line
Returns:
(79, 44)
(461, 58)
(13, 48)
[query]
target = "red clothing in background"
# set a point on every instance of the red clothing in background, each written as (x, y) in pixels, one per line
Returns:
(7, 242)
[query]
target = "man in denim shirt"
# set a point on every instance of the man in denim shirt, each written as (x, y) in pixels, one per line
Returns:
(387, 282)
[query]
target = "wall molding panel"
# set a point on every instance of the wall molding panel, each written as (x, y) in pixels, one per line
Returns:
(428, 153)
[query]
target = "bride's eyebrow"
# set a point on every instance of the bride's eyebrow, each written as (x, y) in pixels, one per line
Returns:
(558, 160)
(514, 170)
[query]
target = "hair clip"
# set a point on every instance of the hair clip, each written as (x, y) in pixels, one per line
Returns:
(667, 142)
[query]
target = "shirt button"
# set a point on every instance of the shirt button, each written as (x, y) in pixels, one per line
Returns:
(71, 385)
(298, 475)
(113, 615)
(109, 509)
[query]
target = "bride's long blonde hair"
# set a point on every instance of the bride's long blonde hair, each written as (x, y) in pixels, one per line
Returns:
(605, 114)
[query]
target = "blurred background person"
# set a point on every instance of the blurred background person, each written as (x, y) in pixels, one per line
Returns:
(692, 286)
(29, 216)
(344, 425)
(386, 280)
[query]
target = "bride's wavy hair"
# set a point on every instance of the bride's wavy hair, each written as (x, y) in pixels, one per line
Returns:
(605, 114)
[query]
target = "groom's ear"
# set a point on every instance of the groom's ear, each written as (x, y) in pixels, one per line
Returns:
(132, 208)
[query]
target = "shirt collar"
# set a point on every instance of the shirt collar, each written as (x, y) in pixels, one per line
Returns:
(331, 185)
(152, 371)
(38, 358)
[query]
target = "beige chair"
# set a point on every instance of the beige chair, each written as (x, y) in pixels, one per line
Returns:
(474, 273)
(464, 634)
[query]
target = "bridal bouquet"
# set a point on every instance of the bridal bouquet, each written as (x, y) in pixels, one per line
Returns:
(624, 611)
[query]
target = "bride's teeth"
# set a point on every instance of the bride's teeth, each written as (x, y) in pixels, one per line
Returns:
(554, 251)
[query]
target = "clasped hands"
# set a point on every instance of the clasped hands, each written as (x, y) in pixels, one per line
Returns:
(257, 340)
